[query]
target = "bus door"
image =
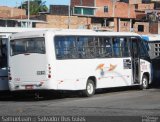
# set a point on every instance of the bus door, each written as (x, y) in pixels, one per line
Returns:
(3, 64)
(3, 53)
(135, 60)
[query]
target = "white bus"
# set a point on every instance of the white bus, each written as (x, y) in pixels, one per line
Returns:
(153, 41)
(4, 35)
(77, 60)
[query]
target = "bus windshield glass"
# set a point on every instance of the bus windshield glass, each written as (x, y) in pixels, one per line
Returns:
(28, 45)
(3, 53)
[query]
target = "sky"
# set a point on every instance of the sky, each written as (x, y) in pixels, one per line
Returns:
(15, 3)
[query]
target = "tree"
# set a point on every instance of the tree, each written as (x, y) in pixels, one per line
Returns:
(36, 6)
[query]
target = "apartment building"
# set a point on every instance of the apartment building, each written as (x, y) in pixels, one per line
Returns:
(91, 14)
(147, 17)
(141, 16)
(105, 14)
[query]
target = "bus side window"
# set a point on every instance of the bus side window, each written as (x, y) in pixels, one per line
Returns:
(120, 47)
(124, 47)
(0, 48)
(71, 51)
(65, 47)
(3, 53)
(103, 47)
(108, 46)
(59, 47)
(143, 49)
(86, 47)
(116, 47)
(91, 47)
(81, 47)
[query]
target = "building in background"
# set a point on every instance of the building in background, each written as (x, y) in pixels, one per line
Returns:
(140, 16)
(14, 17)
(91, 14)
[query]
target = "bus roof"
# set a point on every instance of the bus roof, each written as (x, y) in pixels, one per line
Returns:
(4, 35)
(151, 37)
(18, 29)
(79, 32)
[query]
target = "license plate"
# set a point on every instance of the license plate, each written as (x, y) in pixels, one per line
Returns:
(29, 87)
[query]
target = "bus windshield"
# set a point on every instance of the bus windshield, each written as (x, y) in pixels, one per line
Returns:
(28, 45)
(146, 45)
(3, 53)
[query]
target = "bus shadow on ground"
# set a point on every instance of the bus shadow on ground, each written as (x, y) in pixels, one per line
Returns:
(56, 95)
(155, 84)
(31, 96)
(37, 96)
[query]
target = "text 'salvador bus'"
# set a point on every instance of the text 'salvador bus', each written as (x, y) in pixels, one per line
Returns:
(77, 60)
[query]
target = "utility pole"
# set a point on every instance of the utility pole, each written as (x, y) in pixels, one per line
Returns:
(28, 13)
(69, 13)
(21, 14)
(113, 7)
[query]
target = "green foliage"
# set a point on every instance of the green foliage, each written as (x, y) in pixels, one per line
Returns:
(36, 6)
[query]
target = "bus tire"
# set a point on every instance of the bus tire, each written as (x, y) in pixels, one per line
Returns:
(90, 89)
(145, 82)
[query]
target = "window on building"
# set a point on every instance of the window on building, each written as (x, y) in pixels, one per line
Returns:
(84, 11)
(88, 11)
(105, 8)
(136, 6)
(77, 10)
(140, 28)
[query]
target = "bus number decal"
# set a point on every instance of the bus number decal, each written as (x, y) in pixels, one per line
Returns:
(40, 72)
(16, 79)
(126, 63)
(144, 67)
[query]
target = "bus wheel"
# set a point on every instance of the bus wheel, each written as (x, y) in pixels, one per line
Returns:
(90, 89)
(145, 82)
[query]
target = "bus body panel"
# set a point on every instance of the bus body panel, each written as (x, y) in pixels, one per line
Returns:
(73, 74)
(114, 73)
(34, 73)
(145, 67)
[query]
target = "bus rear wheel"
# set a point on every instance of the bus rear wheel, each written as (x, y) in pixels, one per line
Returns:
(90, 89)
(145, 82)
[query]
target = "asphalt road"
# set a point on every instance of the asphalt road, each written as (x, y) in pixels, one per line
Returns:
(119, 102)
